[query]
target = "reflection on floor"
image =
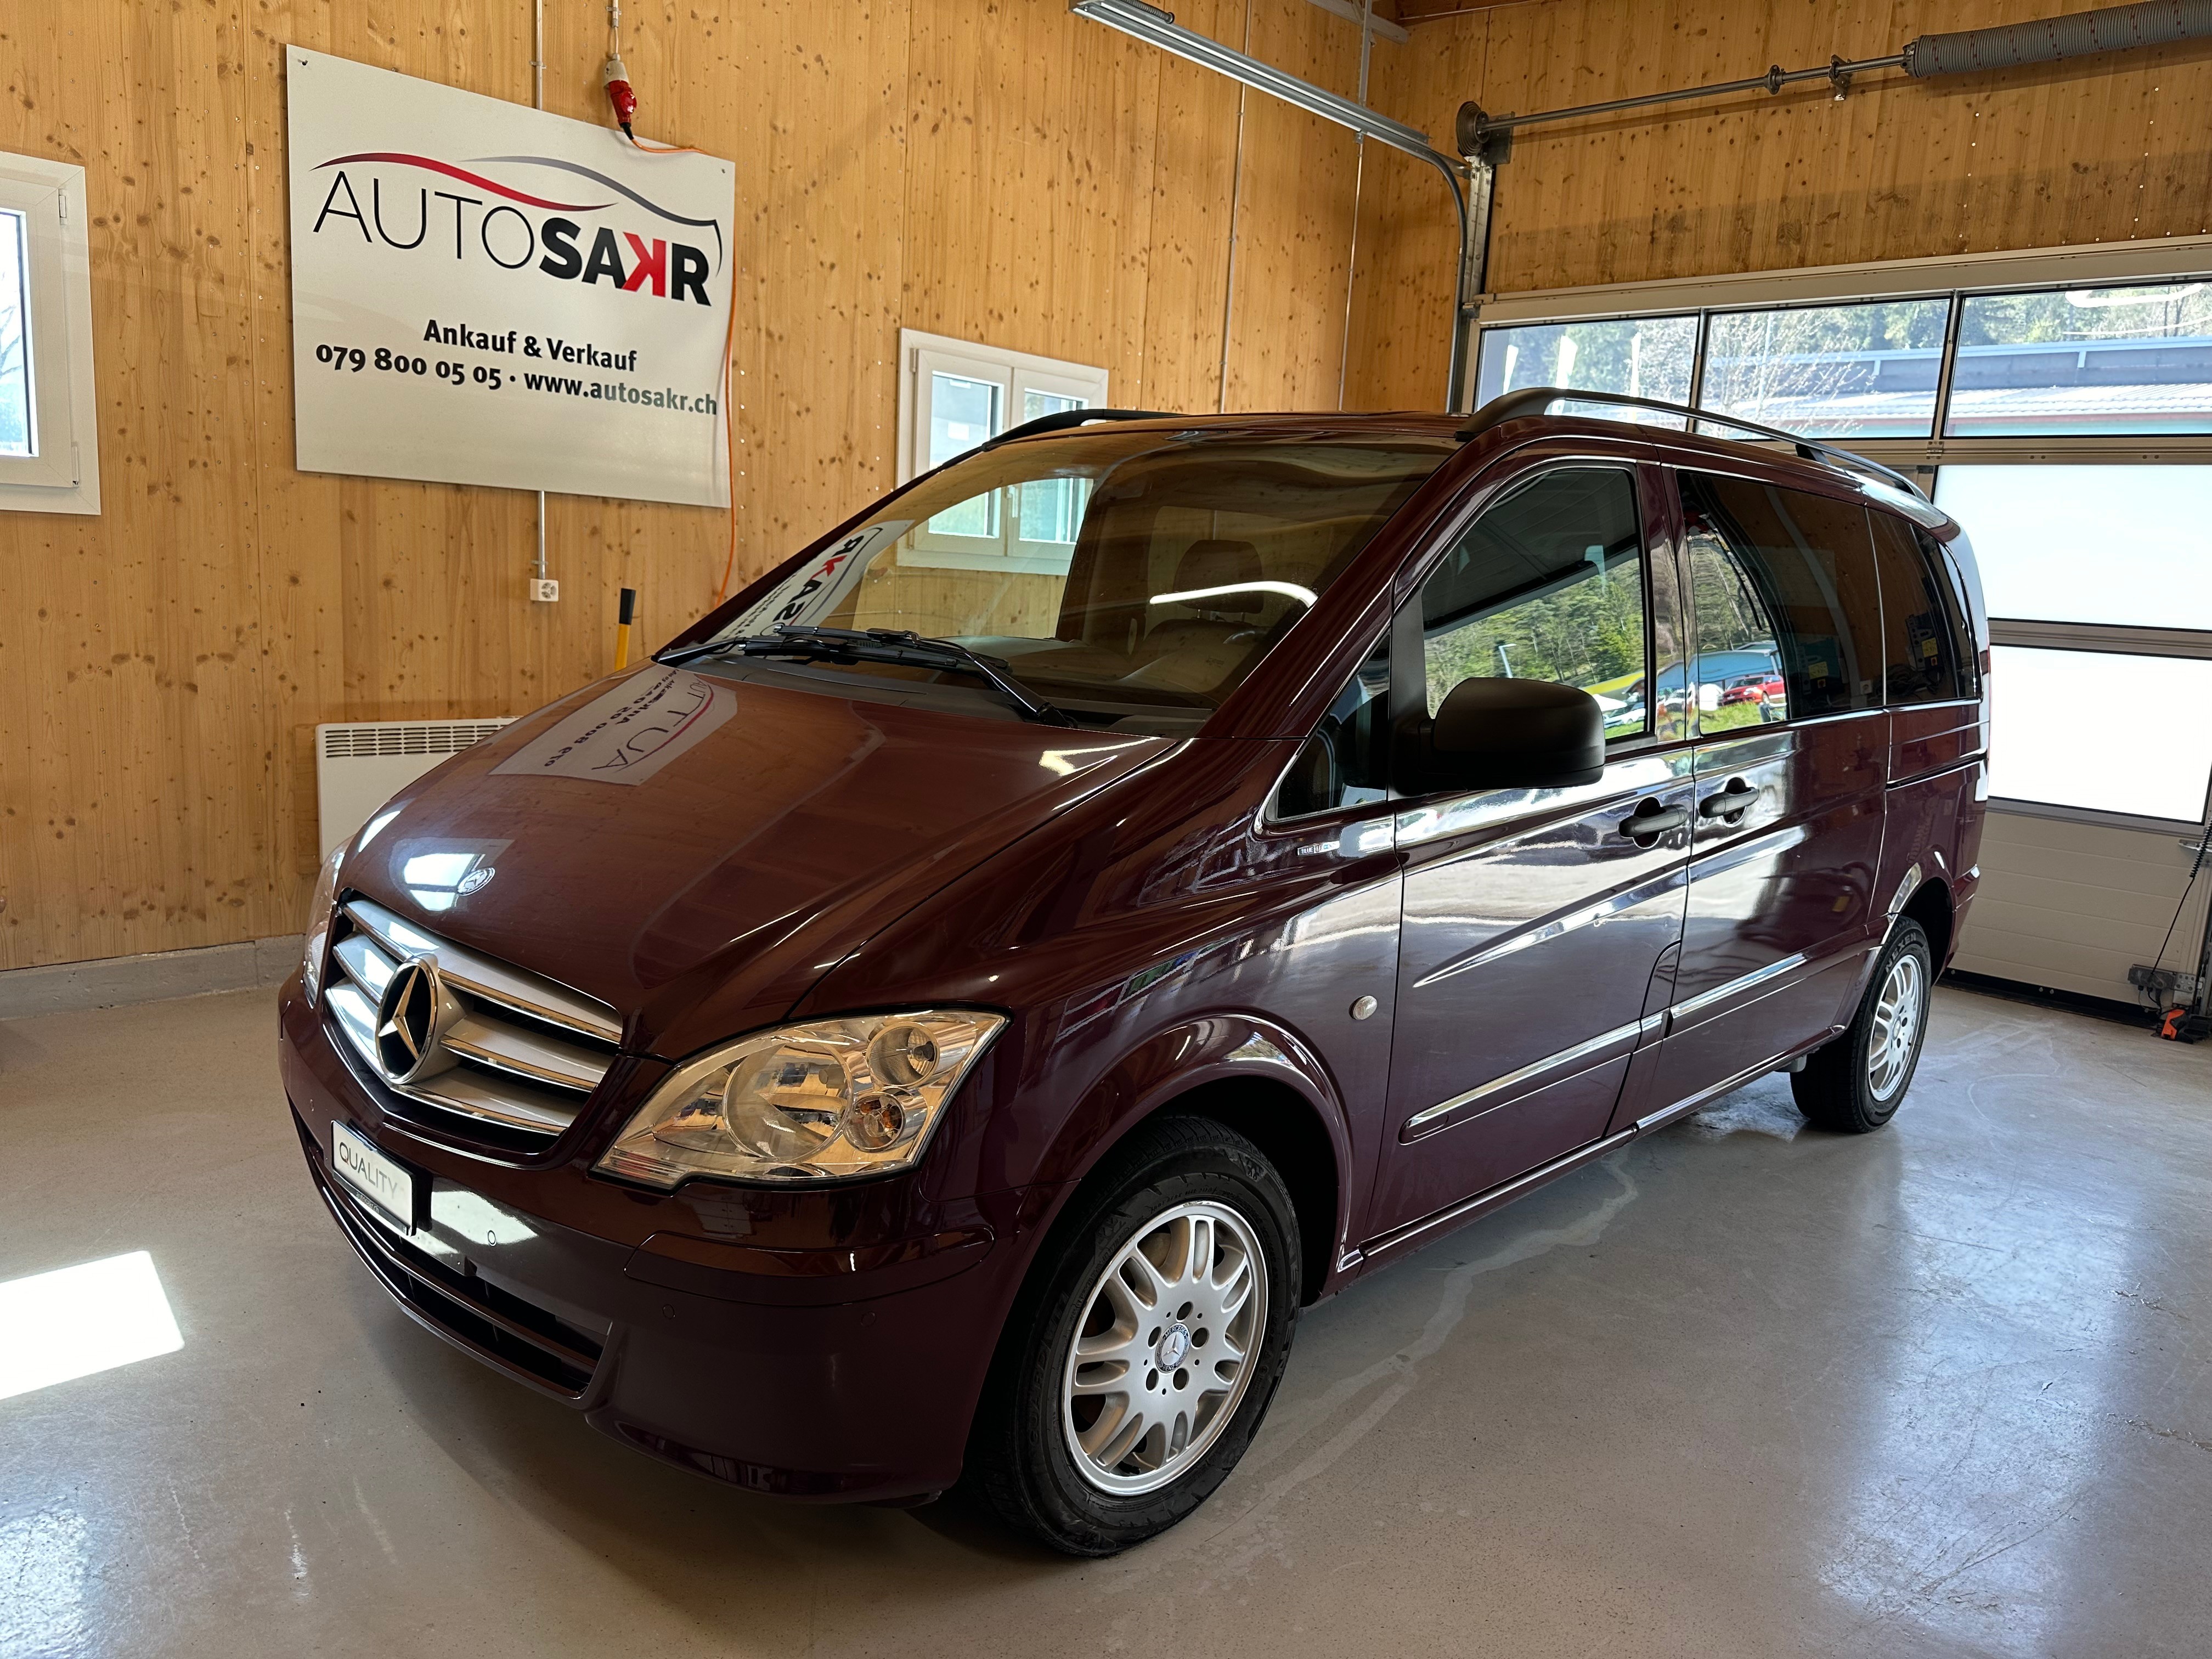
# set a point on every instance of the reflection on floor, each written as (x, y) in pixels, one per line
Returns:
(1746, 1389)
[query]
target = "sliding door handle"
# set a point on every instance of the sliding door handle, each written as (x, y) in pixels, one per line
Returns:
(1731, 802)
(1643, 827)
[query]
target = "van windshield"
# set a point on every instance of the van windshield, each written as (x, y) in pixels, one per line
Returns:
(1108, 567)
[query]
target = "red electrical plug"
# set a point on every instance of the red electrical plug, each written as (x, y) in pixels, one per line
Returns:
(616, 79)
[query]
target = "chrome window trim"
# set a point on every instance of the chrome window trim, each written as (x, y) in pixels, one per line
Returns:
(1728, 751)
(1459, 814)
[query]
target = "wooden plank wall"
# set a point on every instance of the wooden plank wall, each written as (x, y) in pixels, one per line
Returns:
(999, 172)
(2101, 150)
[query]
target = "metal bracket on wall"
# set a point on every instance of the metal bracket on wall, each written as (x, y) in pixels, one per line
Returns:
(1158, 28)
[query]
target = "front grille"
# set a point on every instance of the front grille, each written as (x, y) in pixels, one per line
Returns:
(513, 1334)
(524, 1053)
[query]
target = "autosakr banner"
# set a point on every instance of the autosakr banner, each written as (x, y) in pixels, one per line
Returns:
(485, 294)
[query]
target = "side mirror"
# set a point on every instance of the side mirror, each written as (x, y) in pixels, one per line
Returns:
(1514, 734)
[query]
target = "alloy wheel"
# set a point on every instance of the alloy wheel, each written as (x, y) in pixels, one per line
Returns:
(1895, 1034)
(1163, 1351)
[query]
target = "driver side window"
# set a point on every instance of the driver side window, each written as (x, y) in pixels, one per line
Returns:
(1548, 585)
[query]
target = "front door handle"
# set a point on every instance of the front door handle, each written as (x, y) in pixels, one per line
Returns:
(1731, 802)
(1645, 827)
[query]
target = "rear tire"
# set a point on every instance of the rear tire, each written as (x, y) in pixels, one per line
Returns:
(1146, 1345)
(1854, 1084)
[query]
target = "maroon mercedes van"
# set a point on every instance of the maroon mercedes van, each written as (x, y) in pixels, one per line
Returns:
(945, 1015)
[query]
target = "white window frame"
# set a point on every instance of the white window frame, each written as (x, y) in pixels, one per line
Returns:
(63, 476)
(923, 356)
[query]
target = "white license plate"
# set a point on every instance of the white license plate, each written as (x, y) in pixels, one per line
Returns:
(388, 1185)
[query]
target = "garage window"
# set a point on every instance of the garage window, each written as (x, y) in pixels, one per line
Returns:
(954, 395)
(48, 444)
(2054, 739)
(1830, 371)
(1638, 356)
(2084, 361)
(2127, 546)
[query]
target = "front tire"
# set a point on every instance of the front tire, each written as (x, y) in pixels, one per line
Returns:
(1146, 1345)
(1854, 1084)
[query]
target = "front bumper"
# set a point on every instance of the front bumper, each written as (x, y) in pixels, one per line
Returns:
(845, 1374)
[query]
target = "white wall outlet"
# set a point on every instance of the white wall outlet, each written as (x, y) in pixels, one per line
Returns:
(544, 590)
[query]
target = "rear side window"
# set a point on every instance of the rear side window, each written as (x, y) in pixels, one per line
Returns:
(1956, 614)
(1547, 585)
(1788, 615)
(1920, 640)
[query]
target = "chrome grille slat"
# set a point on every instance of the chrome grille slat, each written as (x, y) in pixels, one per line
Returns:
(510, 1049)
(498, 1101)
(357, 1018)
(522, 1073)
(463, 969)
(365, 965)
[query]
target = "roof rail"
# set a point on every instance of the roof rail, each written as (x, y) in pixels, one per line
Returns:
(1535, 399)
(1073, 417)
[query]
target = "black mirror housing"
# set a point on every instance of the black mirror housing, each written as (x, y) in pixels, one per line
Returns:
(1513, 734)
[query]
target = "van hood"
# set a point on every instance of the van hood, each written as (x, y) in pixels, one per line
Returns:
(695, 851)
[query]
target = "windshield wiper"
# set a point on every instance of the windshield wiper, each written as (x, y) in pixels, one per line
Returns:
(891, 645)
(676, 656)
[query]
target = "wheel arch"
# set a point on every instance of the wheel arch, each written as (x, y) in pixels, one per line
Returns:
(1931, 906)
(1283, 1124)
(1251, 1076)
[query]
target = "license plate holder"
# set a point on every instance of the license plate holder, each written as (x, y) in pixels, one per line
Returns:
(385, 1183)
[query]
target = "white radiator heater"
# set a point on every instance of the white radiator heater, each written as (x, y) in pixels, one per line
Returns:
(362, 765)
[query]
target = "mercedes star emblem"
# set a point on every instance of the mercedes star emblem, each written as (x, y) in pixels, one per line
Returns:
(411, 1021)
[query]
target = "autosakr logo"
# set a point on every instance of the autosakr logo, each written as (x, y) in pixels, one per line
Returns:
(517, 230)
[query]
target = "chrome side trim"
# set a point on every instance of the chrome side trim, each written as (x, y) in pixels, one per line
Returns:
(1580, 1050)
(1553, 929)
(526, 994)
(1742, 852)
(1683, 1108)
(1742, 982)
(1466, 1209)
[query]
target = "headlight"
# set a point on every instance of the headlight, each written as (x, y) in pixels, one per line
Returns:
(825, 1101)
(319, 922)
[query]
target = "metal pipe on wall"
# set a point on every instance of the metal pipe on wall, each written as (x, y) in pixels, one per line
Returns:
(2003, 45)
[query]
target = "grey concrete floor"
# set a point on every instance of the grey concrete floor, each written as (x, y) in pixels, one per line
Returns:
(1745, 1389)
